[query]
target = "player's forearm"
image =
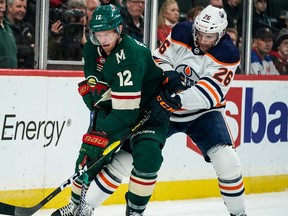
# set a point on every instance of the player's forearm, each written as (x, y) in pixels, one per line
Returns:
(192, 99)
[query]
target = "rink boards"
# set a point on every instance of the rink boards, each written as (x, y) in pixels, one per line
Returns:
(43, 118)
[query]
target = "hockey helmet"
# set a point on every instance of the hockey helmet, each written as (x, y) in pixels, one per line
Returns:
(104, 18)
(211, 20)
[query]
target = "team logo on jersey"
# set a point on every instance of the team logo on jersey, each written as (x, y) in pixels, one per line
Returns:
(91, 81)
(196, 50)
(96, 85)
(101, 60)
(189, 73)
(120, 56)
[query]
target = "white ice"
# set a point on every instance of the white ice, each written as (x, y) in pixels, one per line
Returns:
(268, 204)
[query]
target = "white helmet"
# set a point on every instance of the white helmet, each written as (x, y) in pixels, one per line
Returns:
(211, 20)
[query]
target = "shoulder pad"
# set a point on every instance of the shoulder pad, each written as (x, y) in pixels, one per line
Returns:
(182, 32)
(225, 51)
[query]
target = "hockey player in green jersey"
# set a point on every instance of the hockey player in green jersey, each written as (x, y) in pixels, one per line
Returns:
(120, 79)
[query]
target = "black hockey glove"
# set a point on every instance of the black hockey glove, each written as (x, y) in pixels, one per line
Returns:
(174, 82)
(162, 106)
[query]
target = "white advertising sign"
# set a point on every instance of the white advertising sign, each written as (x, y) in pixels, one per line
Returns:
(43, 118)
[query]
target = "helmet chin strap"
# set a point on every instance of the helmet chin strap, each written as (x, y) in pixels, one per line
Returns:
(119, 34)
(117, 29)
(119, 39)
(3, 10)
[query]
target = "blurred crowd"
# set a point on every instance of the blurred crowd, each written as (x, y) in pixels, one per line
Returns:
(69, 19)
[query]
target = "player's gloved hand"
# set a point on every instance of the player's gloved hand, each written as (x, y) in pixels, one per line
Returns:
(85, 91)
(162, 106)
(94, 143)
(92, 92)
(174, 82)
(98, 89)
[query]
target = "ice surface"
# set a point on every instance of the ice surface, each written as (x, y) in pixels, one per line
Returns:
(268, 204)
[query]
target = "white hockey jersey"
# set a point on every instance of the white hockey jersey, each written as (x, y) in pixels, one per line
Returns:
(210, 73)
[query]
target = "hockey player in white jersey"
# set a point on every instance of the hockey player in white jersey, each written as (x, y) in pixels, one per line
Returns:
(206, 56)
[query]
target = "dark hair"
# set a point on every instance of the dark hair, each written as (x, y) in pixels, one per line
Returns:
(193, 12)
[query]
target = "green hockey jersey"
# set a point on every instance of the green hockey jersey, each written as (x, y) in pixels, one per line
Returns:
(132, 77)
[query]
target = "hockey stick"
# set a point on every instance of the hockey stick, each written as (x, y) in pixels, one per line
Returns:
(83, 193)
(85, 176)
(8, 209)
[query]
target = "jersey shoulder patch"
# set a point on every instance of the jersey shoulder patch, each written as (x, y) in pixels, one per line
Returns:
(182, 32)
(225, 51)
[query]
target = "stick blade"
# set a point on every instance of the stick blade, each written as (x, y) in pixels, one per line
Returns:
(8, 209)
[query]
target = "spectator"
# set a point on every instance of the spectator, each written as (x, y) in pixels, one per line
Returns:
(77, 6)
(133, 20)
(193, 12)
(118, 3)
(91, 5)
(8, 50)
(68, 35)
(167, 18)
(232, 32)
(286, 20)
(280, 52)
(260, 18)
(57, 3)
(261, 61)
(31, 12)
(216, 3)
(233, 35)
(23, 33)
(232, 10)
